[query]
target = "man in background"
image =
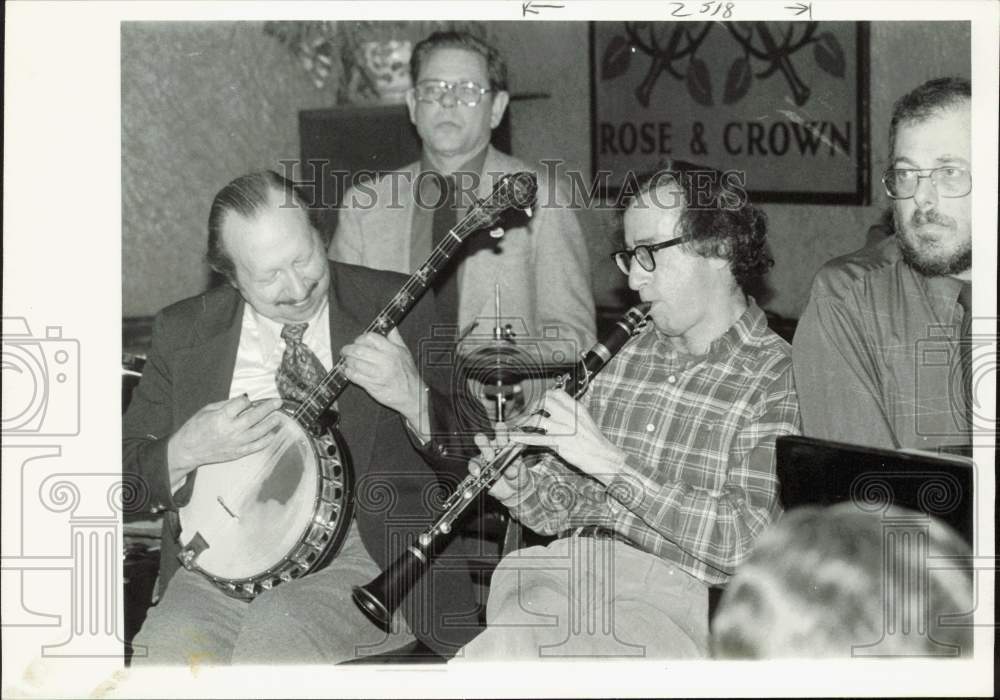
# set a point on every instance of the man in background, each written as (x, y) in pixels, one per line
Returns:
(881, 352)
(540, 264)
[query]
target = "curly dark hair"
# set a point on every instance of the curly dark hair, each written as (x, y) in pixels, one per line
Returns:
(717, 216)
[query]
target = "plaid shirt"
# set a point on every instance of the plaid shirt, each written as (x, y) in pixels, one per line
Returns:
(698, 484)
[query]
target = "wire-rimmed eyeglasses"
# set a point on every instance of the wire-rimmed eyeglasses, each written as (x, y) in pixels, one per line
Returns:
(467, 92)
(643, 254)
(948, 180)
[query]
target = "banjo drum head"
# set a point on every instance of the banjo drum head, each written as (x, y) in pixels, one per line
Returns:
(252, 511)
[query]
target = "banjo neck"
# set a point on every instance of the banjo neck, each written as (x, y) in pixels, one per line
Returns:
(333, 384)
(275, 515)
(516, 190)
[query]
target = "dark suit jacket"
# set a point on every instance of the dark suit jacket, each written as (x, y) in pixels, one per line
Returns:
(191, 364)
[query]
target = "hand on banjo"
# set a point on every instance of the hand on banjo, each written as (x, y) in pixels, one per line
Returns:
(221, 432)
(384, 367)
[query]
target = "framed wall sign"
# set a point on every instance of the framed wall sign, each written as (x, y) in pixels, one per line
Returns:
(785, 102)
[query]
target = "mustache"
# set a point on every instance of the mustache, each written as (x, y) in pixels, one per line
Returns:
(931, 216)
(308, 294)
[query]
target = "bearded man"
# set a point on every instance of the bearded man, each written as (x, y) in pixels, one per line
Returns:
(881, 353)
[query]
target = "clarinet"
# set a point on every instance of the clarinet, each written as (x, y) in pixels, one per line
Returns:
(380, 598)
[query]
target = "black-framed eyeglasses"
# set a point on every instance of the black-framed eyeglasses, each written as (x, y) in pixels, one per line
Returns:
(643, 254)
(948, 180)
(467, 93)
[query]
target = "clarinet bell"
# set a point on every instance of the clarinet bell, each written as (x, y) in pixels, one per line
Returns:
(370, 603)
(381, 597)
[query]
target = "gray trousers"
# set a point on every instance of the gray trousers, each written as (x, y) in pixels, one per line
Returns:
(307, 620)
(584, 597)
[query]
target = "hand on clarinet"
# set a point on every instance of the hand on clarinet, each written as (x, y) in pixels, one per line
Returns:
(513, 475)
(567, 428)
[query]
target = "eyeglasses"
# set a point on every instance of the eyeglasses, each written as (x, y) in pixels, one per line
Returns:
(643, 254)
(467, 93)
(949, 181)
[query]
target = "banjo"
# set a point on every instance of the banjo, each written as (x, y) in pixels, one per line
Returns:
(284, 511)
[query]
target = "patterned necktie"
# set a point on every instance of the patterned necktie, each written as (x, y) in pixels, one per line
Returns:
(965, 349)
(300, 369)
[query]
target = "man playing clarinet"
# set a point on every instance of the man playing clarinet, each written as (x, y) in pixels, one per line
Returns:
(658, 481)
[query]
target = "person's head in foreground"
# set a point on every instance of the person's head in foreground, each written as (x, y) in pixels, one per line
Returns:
(841, 582)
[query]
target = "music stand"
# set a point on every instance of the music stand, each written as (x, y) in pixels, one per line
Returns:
(821, 472)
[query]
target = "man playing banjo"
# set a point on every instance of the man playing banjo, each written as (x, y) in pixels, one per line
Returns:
(220, 365)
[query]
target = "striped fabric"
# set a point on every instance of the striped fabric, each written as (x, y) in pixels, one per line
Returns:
(699, 481)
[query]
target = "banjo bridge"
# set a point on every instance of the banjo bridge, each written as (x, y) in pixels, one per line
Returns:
(226, 508)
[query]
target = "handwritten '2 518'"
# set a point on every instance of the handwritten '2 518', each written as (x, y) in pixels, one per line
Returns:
(707, 8)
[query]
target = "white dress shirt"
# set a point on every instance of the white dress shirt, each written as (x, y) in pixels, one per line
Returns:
(262, 347)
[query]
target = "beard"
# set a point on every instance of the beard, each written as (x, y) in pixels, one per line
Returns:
(929, 258)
